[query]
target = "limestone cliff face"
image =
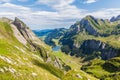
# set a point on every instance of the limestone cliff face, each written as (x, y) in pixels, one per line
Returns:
(74, 29)
(107, 51)
(25, 36)
(83, 25)
(88, 27)
(26, 32)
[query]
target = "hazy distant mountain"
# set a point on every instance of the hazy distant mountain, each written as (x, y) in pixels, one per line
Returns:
(41, 33)
(115, 18)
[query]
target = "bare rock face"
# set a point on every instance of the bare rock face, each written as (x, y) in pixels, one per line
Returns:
(18, 35)
(75, 28)
(107, 51)
(112, 19)
(26, 36)
(88, 27)
(26, 32)
(57, 63)
(84, 24)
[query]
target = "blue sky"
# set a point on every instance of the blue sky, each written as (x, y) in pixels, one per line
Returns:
(47, 14)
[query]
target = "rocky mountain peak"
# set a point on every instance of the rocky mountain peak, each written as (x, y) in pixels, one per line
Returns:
(112, 19)
(118, 17)
(84, 24)
(115, 18)
(90, 17)
(19, 23)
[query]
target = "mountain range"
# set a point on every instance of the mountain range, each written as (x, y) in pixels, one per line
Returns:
(94, 40)
(89, 50)
(23, 56)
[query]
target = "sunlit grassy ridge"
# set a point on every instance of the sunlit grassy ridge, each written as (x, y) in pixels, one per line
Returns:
(102, 26)
(105, 70)
(113, 40)
(75, 63)
(17, 62)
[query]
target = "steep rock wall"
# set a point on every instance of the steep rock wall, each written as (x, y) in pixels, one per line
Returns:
(107, 51)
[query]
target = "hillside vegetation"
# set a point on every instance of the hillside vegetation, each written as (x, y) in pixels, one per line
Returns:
(96, 42)
(23, 56)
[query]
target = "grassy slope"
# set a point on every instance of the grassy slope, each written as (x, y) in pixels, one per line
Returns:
(103, 27)
(105, 70)
(75, 64)
(113, 40)
(96, 67)
(18, 63)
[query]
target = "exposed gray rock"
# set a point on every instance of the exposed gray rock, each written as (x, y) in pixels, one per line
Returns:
(88, 27)
(18, 35)
(84, 24)
(57, 63)
(79, 76)
(107, 51)
(113, 19)
(28, 38)
(75, 28)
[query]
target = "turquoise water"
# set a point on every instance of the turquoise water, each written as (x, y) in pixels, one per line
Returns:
(56, 48)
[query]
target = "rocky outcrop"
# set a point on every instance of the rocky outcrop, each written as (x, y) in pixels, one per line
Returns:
(88, 27)
(106, 51)
(27, 37)
(75, 29)
(26, 32)
(83, 25)
(112, 19)
(18, 35)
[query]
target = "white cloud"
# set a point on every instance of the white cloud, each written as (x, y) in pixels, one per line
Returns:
(13, 6)
(48, 2)
(63, 8)
(7, 14)
(89, 1)
(64, 16)
(5, 1)
(105, 13)
(22, 0)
